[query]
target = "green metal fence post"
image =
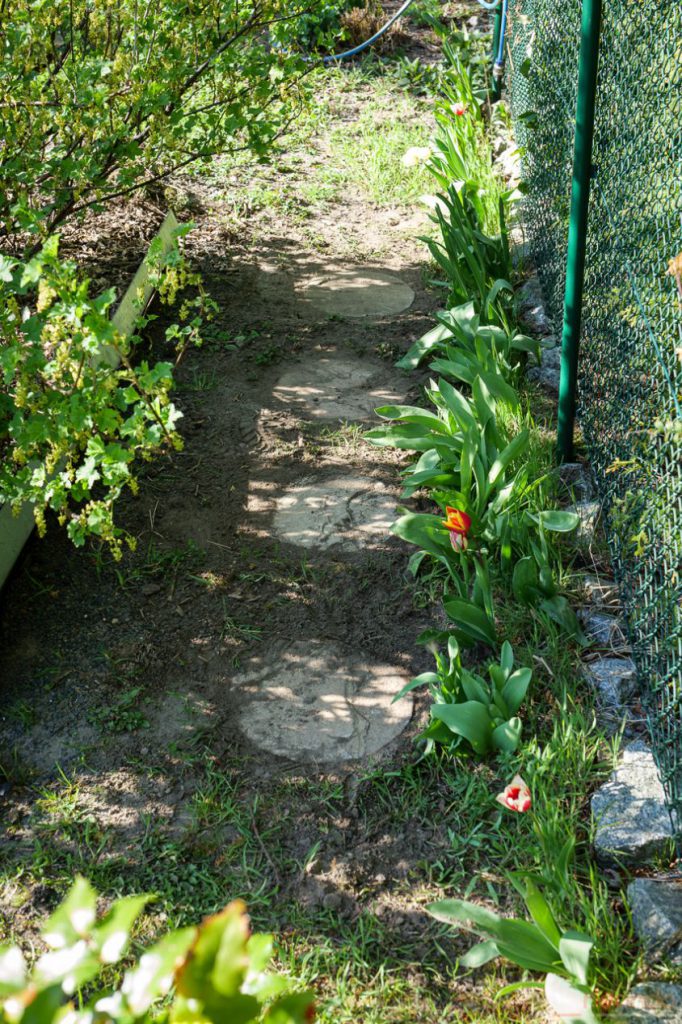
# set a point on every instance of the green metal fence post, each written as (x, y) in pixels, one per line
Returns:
(496, 82)
(577, 232)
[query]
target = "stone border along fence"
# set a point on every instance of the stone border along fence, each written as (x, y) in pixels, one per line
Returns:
(595, 95)
(631, 820)
(15, 529)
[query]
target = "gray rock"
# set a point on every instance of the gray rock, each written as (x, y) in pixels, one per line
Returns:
(614, 679)
(632, 821)
(547, 375)
(578, 481)
(656, 905)
(532, 307)
(615, 682)
(603, 630)
(652, 1002)
(600, 592)
(588, 513)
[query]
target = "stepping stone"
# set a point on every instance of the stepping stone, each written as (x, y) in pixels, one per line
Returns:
(359, 293)
(652, 1002)
(656, 905)
(632, 821)
(321, 702)
(346, 512)
(328, 386)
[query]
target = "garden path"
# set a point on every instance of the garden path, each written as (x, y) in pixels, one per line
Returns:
(133, 727)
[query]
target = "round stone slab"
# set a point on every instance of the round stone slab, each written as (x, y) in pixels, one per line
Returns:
(358, 293)
(331, 387)
(348, 511)
(315, 702)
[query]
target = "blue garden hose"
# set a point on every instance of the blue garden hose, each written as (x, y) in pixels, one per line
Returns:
(368, 42)
(489, 5)
(498, 66)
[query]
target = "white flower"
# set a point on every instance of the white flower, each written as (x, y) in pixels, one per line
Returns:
(113, 947)
(12, 967)
(59, 966)
(416, 155)
(567, 1001)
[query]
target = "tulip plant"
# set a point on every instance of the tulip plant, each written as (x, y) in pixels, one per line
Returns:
(538, 945)
(469, 710)
(208, 974)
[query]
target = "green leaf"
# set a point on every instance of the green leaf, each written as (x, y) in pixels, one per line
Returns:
(12, 970)
(74, 917)
(458, 405)
(421, 348)
(422, 680)
(575, 949)
(480, 954)
(426, 531)
(471, 620)
(556, 520)
(524, 944)
(147, 982)
(542, 915)
(462, 912)
(112, 935)
(413, 414)
(474, 688)
(515, 689)
(559, 610)
(511, 452)
(469, 720)
(525, 582)
(507, 736)
(499, 387)
(507, 657)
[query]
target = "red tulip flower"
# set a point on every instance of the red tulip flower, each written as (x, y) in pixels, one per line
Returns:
(516, 796)
(459, 524)
(459, 108)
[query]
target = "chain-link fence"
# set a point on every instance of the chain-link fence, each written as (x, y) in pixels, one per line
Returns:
(630, 371)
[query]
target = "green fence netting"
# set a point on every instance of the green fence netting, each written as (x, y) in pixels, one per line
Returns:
(630, 373)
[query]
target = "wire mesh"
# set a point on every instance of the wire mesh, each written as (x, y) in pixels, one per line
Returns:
(630, 373)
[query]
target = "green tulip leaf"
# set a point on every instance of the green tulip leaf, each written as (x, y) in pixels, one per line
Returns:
(507, 736)
(459, 912)
(426, 531)
(469, 720)
(480, 954)
(542, 915)
(515, 689)
(471, 621)
(575, 949)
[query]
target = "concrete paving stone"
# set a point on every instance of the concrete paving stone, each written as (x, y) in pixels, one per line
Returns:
(359, 293)
(329, 386)
(347, 512)
(632, 822)
(314, 701)
(656, 905)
